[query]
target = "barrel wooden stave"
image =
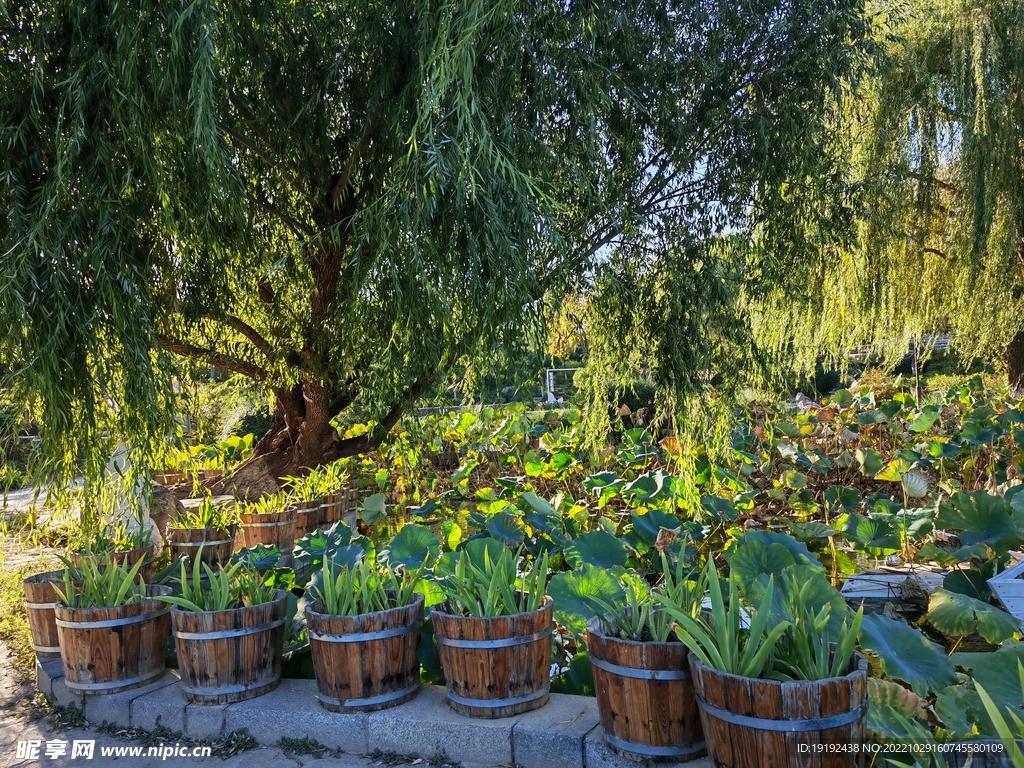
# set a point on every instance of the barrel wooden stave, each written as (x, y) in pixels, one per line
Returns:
(350, 509)
(40, 600)
(234, 667)
(168, 477)
(521, 671)
(110, 659)
(331, 507)
(307, 517)
(347, 672)
(653, 717)
(186, 541)
(734, 745)
(277, 529)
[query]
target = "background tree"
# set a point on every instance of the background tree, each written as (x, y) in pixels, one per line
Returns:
(347, 201)
(937, 149)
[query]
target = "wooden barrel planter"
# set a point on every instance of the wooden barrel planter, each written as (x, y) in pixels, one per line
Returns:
(307, 517)
(645, 696)
(367, 662)
(495, 667)
(233, 655)
(107, 650)
(40, 601)
(275, 529)
(749, 721)
(217, 544)
(168, 477)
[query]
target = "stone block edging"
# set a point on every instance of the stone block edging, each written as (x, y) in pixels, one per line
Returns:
(565, 733)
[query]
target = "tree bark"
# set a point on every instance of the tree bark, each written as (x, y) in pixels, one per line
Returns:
(302, 437)
(1015, 362)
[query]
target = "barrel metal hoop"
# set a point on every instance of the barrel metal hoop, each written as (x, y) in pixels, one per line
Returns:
(46, 648)
(200, 543)
(495, 703)
(358, 637)
(111, 622)
(369, 701)
(641, 674)
(269, 525)
(651, 751)
(783, 726)
(504, 642)
(224, 690)
(99, 687)
(40, 606)
(223, 633)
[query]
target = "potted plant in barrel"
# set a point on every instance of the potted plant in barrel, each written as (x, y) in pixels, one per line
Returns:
(228, 629)
(363, 631)
(210, 527)
(641, 670)
(494, 629)
(112, 632)
(123, 543)
(785, 682)
(320, 497)
(270, 521)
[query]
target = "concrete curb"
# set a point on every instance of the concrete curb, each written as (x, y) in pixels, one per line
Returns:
(565, 733)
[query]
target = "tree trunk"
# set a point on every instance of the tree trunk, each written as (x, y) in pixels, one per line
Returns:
(1015, 362)
(301, 437)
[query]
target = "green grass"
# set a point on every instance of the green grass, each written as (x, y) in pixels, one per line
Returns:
(14, 630)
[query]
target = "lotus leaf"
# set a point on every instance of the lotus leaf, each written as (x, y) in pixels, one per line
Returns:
(412, 546)
(596, 548)
(998, 674)
(875, 534)
(980, 517)
(811, 531)
(749, 560)
(574, 591)
(505, 527)
(869, 460)
(906, 654)
(968, 582)
(801, 554)
(374, 509)
(648, 487)
(648, 525)
(839, 497)
(720, 508)
(959, 615)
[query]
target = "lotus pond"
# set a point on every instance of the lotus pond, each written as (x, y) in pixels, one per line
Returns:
(819, 492)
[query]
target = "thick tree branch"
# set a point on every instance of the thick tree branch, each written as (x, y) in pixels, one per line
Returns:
(250, 333)
(296, 226)
(212, 357)
(341, 183)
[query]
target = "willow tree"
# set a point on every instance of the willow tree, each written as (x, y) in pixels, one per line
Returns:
(937, 146)
(349, 201)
